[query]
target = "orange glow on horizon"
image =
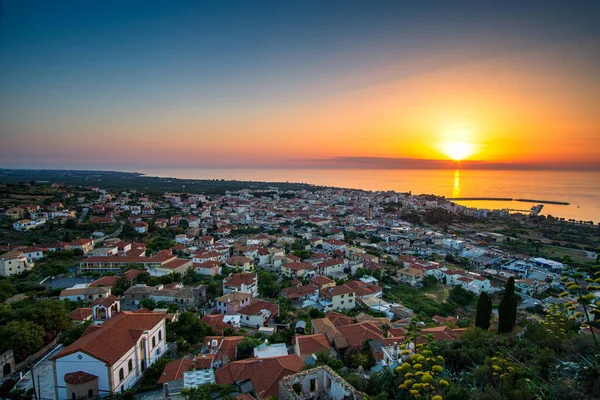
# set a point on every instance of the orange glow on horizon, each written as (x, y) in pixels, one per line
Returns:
(496, 110)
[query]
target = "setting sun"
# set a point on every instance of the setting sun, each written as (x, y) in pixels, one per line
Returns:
(458, 150)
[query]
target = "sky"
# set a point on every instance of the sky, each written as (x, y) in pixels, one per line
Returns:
(110, 84)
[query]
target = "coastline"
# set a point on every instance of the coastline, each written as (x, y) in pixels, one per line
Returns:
(574, 195)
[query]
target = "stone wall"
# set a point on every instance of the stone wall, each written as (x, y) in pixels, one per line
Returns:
(314, 382)
(7, 363)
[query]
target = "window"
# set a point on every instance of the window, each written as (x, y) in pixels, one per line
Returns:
(342, 302)
(91, 393)
(73, 396)
(159, 336)
(153, 342)
(121, 375)
(130, 365)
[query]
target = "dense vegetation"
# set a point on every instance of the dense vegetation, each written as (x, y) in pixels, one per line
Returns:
(133, 180)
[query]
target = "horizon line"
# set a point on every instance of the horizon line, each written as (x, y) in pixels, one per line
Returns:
(373, 163)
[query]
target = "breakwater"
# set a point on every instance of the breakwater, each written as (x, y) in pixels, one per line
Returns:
(561, 203)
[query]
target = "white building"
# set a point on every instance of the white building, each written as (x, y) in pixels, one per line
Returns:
(265, 350)
(27, 224)
(111, 357)
(242, 282)
(13, 263)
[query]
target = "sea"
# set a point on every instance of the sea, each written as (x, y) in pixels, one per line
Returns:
(581, 189)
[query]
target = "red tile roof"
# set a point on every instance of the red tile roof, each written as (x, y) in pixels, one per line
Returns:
(441, 333)
(206, 264)
(237, 280)
(225, 344)
(356, 334)
(295, 292)
(312, 344)
(110, 341)
(205, 361)
(265, 373)
(132, 274)
(110, 281)
(329, 263)
(81, 242)
(447, 320)
(397, 332)
(79, 377)
(298, 266)
(174, 370)
(215, 321)
(257, 305)
(363, 288)
(106, 301)
(339, 319)
(174, 264)
(336, 291)
(238, 260)
(321, 280)
(81, 314)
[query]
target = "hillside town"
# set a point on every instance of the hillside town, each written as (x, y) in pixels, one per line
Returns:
(257, 294)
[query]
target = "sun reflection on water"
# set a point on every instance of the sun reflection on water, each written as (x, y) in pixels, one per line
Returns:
(456, 186)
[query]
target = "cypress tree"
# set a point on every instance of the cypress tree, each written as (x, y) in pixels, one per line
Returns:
(484, 311)
(507, 310)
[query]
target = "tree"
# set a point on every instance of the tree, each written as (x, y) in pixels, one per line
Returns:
(484, 311)
(51, 315)
(246, 347)
(148, 303)
(190, 328)
(360, 272)
(424, 369)
(267, 284)
(584, 294)
(23, 337)
(461, 297)
(507, 310)
(556, 322)
(122, 285)
(75, 332)
(208, 392)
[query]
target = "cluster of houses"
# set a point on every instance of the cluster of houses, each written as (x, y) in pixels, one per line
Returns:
(315, 241)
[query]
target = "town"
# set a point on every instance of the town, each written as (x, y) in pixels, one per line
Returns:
(275, 292)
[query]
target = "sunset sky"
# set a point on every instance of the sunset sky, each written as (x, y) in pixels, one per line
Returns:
(123, 84)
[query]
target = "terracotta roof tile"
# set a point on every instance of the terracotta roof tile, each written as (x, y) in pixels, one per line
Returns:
(174, 370)
(312, 344)
(110, 341)
(339, 319)
(81, 314)
(79, 377)
(356, 334)
(265, 373)
(237, 280)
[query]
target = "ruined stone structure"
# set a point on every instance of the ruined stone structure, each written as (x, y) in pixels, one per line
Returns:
(317, 383)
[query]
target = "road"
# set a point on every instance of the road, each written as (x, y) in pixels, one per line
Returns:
(44, 374)
(112, 235)
(528, 302)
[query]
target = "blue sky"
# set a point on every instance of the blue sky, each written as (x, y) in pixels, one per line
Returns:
(69, 67)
